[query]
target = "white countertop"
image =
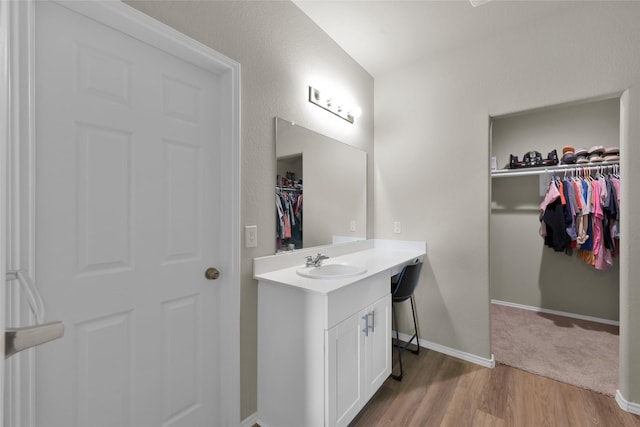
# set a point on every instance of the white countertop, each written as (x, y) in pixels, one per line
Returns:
(375, 255)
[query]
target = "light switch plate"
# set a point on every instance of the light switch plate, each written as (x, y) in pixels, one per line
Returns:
(250, 236)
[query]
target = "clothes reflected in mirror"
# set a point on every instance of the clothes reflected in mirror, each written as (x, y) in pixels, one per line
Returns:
(288, 212)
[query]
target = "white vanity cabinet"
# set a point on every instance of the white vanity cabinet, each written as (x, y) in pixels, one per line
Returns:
(321, 356)
(358, 360)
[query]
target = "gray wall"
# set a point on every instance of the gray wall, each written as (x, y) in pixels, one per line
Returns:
(432, 151)
(281, 52)
(522, 269)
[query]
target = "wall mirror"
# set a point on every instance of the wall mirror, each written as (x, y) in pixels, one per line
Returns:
(321, 189)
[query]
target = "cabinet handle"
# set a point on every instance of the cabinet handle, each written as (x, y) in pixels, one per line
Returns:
(366, 324)
(373, 320)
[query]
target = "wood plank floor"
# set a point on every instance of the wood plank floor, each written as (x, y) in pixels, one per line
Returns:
(438, 390)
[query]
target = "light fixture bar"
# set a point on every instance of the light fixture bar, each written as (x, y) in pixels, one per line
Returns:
(476, 3)
(331, 105)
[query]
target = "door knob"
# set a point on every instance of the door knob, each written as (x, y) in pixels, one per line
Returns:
(212, 273)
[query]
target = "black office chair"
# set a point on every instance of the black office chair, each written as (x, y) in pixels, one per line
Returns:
(402, 287)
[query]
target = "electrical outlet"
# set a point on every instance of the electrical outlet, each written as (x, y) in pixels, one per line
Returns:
(250, 236)
(352, 225)
(397, 227)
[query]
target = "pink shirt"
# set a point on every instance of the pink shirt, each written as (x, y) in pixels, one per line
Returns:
(552, 194)
(602, 255)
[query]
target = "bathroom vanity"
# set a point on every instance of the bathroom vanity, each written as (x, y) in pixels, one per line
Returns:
(324, 333)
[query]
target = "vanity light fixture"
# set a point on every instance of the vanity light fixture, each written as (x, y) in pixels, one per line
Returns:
(476, 3)
(327, 102)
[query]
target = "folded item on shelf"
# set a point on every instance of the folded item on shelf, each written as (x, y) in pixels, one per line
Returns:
(612, 158)
(596, 149)
(568, 149)
(612, 151)
(595, 158)
(569, 158)
(581, 152)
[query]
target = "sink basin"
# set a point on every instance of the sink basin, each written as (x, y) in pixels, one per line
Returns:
(331, 271)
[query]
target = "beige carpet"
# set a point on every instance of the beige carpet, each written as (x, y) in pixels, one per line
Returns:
(573, 351)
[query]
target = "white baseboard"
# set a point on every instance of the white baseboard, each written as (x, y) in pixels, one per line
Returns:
(627, 406)
(556, 312)
(482, 361)
(250, 420)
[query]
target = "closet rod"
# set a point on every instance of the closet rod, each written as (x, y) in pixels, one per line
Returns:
(288, 188)
(504, 173)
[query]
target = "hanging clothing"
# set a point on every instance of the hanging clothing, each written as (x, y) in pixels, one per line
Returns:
(583, 213)
(553, 218)
(288, 217)
(279, 216)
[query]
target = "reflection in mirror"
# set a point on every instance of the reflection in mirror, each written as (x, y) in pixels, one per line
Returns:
(321, 189)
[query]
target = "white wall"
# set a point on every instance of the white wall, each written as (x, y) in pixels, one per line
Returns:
(432, 158)
(534, 274)
(281, 52)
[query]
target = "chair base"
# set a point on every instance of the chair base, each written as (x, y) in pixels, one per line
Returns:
(399, 344)
(404, 346)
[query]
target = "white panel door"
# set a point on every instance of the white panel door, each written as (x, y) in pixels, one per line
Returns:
(378, 346)
(127, 222)
(345, 357)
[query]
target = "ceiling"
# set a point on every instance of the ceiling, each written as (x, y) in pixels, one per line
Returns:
(384, 34)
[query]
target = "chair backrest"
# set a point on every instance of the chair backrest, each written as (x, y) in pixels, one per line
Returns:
(407, 282)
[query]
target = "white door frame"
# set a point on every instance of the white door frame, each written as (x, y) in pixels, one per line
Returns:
(5, 133)
(17, 140)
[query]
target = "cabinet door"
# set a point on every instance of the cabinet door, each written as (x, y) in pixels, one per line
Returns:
(345, 361)
(378, 346)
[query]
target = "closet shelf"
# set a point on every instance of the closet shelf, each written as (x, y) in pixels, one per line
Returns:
(505, 173)
(278, 187)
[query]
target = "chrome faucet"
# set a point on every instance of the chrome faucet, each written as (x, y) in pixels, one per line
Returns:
(317, 261)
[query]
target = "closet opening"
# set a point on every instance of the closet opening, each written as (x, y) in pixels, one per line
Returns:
(555, 300)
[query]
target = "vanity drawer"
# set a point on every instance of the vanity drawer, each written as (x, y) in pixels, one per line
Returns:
(350, 299)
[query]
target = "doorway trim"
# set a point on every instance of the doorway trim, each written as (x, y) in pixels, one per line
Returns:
(17, 159)
(622, 96)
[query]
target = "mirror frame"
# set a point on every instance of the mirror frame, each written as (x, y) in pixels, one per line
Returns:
(334, 184)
